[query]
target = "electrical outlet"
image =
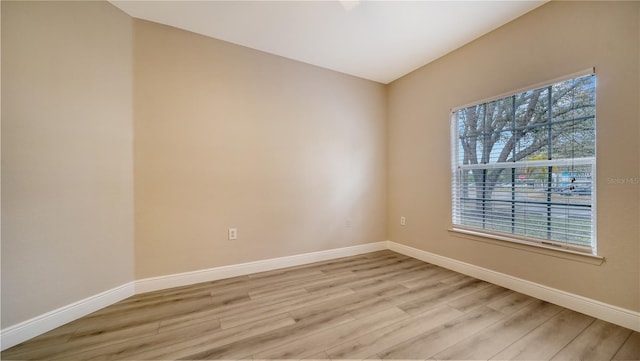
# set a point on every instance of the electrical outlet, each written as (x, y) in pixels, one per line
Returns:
(403, 221)
(233, 233)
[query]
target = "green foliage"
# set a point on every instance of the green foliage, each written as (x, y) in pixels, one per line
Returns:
(555, 122)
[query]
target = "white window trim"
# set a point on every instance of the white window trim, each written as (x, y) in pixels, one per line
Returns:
(590, 252)
(589, 71)
(535, 247)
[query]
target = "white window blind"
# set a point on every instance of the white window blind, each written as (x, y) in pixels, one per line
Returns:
(523, 165)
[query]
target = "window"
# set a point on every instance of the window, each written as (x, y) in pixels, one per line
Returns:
(524, 166)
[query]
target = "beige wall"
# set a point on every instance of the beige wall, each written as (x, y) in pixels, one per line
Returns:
(296, 157)
(67, 203)
(290, 154)
(556, 39)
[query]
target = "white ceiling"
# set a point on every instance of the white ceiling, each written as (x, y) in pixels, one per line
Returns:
(376, 40)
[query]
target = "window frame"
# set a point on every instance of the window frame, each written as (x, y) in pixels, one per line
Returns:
(572, 247)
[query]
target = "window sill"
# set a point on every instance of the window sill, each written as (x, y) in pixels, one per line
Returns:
(529, 247)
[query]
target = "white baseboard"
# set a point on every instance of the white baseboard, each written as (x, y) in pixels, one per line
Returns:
(23, 331)
(617, 315)
(217, 273)
(26, 330)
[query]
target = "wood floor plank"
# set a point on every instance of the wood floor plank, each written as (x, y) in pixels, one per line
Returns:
(365, 265)
(265, 286)
(367, 346)
(377, 274)
(444, 294)
(240, 283)
(187, 343)
(511, 303)
(387, 268)
(125, 346)
(444, 336)
(600, 341)
(430, 276)
(545, 341)
(346, 303)
(254, 314)
(307, 347)
(52, 338)
(186, 321)
(328, 284)
(381, 289)
(280, 294)
(182, 291)
(258, 287)
(133, 318)
(85, 342)
(630, 350)
(166, 305)
(333, 277)
(248, 347)
(375, 305)
(416, 293)
(269, 305)
(479, 298)
(339, 265)
(408, 274)
(279, 291)
(213, 313)
(285, 273)
(499, 336)
(457, 278)
(319, 356)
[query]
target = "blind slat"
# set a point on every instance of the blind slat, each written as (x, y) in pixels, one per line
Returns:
(546, 189)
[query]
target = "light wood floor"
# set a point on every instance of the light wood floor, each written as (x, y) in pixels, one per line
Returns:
(380, 305)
